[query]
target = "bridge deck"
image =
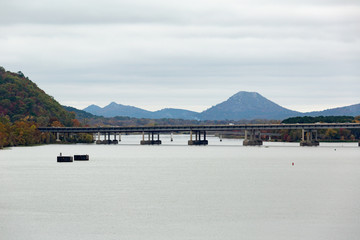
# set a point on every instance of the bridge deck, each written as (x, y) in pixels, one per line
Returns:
(198, 128)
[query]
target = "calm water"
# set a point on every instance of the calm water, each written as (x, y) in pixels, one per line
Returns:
(174, 191)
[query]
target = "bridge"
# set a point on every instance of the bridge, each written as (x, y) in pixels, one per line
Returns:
(198, 132)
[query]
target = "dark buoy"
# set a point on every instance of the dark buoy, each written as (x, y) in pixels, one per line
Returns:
(292, 164)
(81, 157)
(62, 158)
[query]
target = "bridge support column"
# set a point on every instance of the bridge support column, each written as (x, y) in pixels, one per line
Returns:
(114, 141)
(119, 137)
(98, 141)
(198, 140)
(254, 138)
(151, 141)
(171, 137)
(309, 138)
(58, 137)
(107, 139)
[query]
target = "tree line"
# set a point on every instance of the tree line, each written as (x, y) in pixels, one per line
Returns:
(341, 134)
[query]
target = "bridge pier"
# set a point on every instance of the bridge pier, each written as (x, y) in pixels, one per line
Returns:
(254, 138)
(98, 141)
(198, 140)
(309, 138)
(151, 140)
(107, 139)
(114, 141)
(58, 137)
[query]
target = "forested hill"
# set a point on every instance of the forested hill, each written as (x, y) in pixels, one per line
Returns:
(322, 119)
(20, 98)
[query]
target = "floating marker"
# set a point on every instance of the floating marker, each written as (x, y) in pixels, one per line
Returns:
(81, 157)
(65, 159)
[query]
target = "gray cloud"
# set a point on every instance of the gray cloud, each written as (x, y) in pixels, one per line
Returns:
(301, 54)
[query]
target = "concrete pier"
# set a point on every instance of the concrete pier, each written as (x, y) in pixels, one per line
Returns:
(198, 140)
(58, 137)
(107, 139)
(151, 140)
(107, 142)
(309, 138)
(252, 138)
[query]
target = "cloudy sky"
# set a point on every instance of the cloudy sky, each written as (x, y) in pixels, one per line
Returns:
(192, 54)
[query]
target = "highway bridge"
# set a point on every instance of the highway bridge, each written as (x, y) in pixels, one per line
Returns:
(252, 131)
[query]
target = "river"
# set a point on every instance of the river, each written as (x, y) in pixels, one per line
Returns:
(174, 191)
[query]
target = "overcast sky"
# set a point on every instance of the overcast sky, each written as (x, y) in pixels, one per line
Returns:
(191, 54)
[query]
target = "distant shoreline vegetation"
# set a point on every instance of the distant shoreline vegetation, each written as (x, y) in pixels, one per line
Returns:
(326, 135)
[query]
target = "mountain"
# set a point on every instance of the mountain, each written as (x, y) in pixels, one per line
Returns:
(21, 98)
(175, 113)
(352, 110)
(114, 109)
(79, 114)
(94, 109)
(242, 105)
(247, 105)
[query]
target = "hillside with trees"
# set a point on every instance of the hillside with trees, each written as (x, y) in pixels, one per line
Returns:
(21, 98)
(24, 107)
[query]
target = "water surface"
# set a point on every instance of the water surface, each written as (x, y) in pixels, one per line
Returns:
(175, 191)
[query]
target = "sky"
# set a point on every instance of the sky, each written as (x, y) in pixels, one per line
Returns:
(191, 54)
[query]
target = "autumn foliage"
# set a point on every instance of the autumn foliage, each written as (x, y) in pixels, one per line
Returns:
(24, 107)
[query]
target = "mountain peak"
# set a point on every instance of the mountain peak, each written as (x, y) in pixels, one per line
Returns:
(246, 105)
(245, 96)
(112, 104)
(246, 93)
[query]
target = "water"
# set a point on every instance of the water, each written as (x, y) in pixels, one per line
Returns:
(174, 191)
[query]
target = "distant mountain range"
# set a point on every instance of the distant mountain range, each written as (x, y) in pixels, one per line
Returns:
(242, 105)
(114, 109)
